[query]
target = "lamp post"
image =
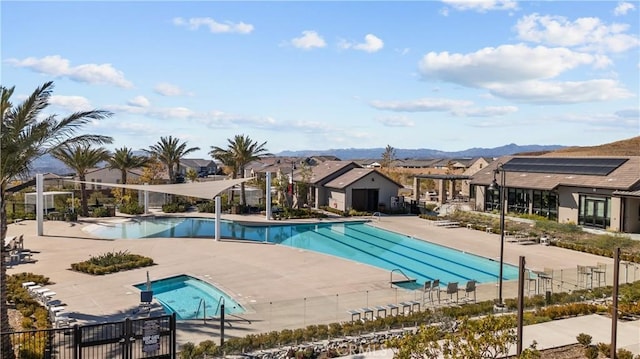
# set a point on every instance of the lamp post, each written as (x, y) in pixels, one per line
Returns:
(501, 187)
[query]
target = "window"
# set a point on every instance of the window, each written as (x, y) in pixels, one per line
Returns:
(594, 211)
(545, 204)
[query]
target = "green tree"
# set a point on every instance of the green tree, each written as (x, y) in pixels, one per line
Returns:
(388, 156)
(228, 164)
(170, 151)
(81, 158)
(124, 160)
(240, 151)
(26, 134)
(192, 175)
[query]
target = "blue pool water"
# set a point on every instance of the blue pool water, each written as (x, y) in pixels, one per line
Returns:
(359, 242)
(185, 295)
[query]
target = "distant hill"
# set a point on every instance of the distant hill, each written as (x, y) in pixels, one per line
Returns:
(628, 147)
(359, 153)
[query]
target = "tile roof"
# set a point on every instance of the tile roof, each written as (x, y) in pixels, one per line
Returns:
(353, 176)
(326, 169)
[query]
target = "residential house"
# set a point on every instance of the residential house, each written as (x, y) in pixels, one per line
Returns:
(202, 167)
(362, 189)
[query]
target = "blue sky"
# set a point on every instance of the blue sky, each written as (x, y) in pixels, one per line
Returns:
(446, 75)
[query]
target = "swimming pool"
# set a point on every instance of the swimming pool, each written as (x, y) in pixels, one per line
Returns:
(355, 241)
(191, 298)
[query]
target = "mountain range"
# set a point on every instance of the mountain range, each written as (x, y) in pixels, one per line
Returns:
(47, 163)
(376, 153)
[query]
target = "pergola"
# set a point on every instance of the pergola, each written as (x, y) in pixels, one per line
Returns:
(442, 178)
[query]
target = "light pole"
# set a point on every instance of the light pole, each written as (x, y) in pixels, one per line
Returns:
(501, 187)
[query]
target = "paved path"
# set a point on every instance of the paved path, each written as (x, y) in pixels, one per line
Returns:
(281, 287)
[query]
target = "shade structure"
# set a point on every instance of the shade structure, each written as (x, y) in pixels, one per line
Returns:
(208, 189)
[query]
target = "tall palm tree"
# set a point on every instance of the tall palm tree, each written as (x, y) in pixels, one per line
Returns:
(25, 135)
(242, 150)
(124, 160)
(170, 151)
(81, 158)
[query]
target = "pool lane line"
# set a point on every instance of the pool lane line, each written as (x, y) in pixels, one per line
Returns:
(417, 250)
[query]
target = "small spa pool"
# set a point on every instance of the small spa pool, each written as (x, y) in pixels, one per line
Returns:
(191, 298)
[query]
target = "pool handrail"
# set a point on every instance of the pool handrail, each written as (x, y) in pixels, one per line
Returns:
(391, 281)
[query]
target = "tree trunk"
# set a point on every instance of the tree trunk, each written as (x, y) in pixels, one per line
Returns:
(84, 202)
(5, 327)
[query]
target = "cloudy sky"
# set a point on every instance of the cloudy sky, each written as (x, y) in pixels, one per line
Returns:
(446, 75)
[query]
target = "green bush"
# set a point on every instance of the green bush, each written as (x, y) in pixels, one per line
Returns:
(112, 262)
(207, 207)
(100, 212)
(131, 208)
(175, 207)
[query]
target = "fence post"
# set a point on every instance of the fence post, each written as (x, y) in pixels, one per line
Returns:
(77, 341)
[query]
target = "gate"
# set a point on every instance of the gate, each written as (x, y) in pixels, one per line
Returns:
(144, 338)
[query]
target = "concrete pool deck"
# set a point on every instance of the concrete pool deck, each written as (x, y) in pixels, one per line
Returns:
(281, 287)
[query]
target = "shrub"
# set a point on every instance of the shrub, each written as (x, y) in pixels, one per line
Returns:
(131, 208)
(584, 339)
(112, 262)
(175, 207)
(207, 207)
(100, 212)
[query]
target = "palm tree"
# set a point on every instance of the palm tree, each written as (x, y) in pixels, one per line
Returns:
(25, 135)
(226, 159)
(124, 160)
(240, 151)
(170, 151)
(81, 158)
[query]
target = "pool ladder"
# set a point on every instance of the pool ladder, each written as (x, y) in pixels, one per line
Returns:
(202, 304)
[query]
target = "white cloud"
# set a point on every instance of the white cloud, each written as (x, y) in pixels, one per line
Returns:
(57, 66)
(167, 89)
(139, 101)
(488, 111)
(586, 33)
(71, 103)
(623, 8)
(562, 92)
(396, 121)
(371, 43)
(308, 40)
(215, 27)
(420, 105)
(481, 5)
(503, 64)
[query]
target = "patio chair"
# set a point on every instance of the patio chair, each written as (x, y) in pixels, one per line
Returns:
(452, 288)
(435, 289)
(599, 274)
(470, 287)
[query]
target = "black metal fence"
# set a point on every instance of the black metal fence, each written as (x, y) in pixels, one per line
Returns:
(144, 338)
